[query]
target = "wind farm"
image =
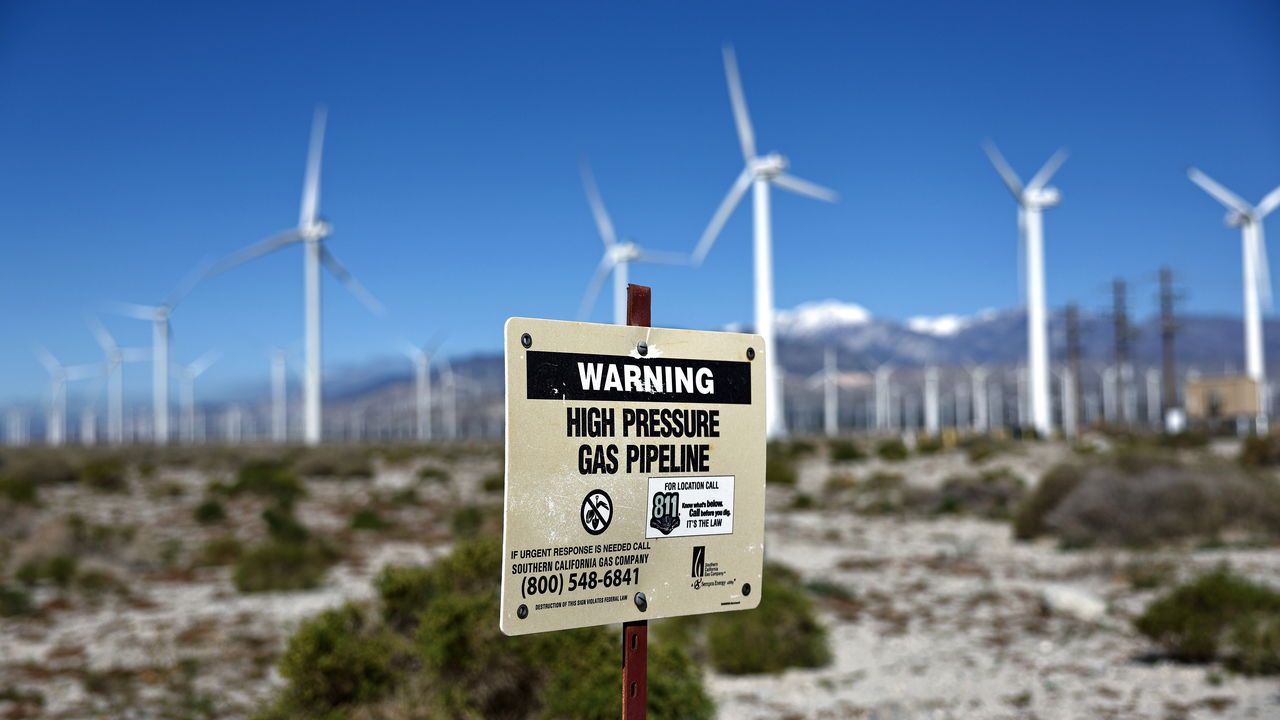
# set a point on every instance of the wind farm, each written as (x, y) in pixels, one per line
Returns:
(1018, 461)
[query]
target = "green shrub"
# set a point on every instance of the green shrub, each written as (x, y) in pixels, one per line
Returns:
(992, 494)
(19, 491)
(284, 527)
(94, 583)
(892, 450)
(466, 521)
(461, 666)
(928, 444)
(405, 496)
(783, 632)
(58, 570)
(431, 472)
(493, 482)
(270, 479)
(1056, 484)
(105, 474)
(221, 550)
(41, 467)
(982, 448)
(369, 519)
(779, 469)
(803, 501)
(14, 601)
(336, 660)
(282, 566)
(210, 512)
(1218, 617)
(347, 463)
(846, 450)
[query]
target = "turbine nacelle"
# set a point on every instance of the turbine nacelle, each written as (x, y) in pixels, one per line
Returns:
(1237, 219)
(1041, 197)
(768, 166)
(319, 229)
(625, 251)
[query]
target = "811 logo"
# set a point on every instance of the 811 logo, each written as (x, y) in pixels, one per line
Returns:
(665, 515)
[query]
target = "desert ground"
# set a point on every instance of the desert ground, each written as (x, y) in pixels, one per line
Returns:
(938, 616)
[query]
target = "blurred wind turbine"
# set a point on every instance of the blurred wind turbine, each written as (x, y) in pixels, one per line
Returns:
(618, 256)
(1032, 200)
(279, 397)
(59, 375)
(421, 358)
(1257, 273)
(161, 337)
(978, 381)
(759, 173)
(189, 375)
(311, 232)
(116, 357)
(932, 419)
(883, 397)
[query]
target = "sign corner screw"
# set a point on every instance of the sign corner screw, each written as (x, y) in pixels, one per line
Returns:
(522, 612)
(526, 340)
(751, 353)
(642, 603)
(642, 348)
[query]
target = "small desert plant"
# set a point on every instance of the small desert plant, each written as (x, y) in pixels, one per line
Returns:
(14, 601)
(282, 566)
(1260, 451)
(270, 479)
(368, 519)
(929, 444)
(1056, 484)
(40, 468)
(493, 482)
(105, 474)
(846, 450)
(337, 462)
(466, 521)
(992, 494)
(433, 473)
(779, 469)
(783, 632)
(221, 550)
(57, 570)
(336, 660)
(210, 512)
(19, 491)
(892, 450)
(1218, 617)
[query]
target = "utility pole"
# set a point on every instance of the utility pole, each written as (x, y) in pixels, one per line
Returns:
(1120, 317)
(1168, 329)
(1073, 361)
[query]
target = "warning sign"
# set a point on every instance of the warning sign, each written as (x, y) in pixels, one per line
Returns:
(635, 474)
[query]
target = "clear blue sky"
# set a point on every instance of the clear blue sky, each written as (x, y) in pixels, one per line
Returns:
(137, 138)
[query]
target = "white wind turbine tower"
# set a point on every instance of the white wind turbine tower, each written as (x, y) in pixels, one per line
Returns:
(421, 358)
(758, 174)
(618, 256)
(829, 378)
(59, 375)
(883, 399)
(189, 375)
(1257, 274)
(311, 232)
(116, 357)
(279, 396)
(932, 421)
(1032, 200)
(161, 337)
(978, 383)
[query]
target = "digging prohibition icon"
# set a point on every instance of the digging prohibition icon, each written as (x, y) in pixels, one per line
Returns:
(597, 512)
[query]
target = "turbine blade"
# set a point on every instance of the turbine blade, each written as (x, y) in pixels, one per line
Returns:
(311, 184)
(410, 350)
(663, 258)
(135, 354)
(184, 288)
(723, 212)
(257, 250)
(804, 187)
(1042, 177)
(1219, 193)
(83, 372)
(202, 363)
(349, 281)
(603, 223)
(998, 162)
(100, 333)
(1268, 204)
(593, 287)
(47, 359)
(133, 310)
(746, 135)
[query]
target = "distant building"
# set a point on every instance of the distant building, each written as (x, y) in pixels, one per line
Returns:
(1228, 397)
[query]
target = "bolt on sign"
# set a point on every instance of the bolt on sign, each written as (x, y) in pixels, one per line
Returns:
(635, 474)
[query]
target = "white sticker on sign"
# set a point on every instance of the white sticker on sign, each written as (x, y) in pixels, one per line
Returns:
(689, 506)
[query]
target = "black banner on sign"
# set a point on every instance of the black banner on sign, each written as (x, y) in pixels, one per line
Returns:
(581, 376)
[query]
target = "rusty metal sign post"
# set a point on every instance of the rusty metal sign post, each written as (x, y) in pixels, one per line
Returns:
(634, 478)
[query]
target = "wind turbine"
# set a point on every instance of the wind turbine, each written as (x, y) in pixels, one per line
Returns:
(161, 337)
(59, 375)
(759, 173)
(279, 397)
(1257, 274)
(932, 421)
(312, 232)
(829, 378)
(617, 258)
(189, 375)
(1032, 200)
(978, 380)
(116, 357)
(883, 397)
(421, 358)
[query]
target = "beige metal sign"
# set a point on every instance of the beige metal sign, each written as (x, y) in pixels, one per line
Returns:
(635, 474)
